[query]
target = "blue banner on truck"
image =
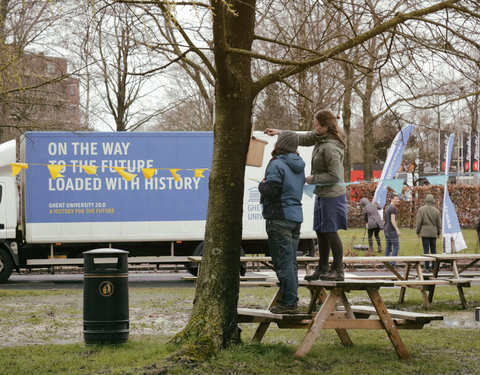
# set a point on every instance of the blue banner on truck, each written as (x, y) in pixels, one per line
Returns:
(107, 196)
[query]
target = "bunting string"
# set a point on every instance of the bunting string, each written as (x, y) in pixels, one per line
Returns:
(395, 184)
(148, 173)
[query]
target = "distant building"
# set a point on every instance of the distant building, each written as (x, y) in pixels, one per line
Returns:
(40, 96)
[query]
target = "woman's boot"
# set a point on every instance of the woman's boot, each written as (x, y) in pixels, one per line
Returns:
(317, 275)
(335, 274)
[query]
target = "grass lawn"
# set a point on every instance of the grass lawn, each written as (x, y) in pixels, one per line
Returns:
(41, 333)
(410, 244)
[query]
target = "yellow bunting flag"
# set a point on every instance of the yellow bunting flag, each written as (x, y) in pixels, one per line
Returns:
(148, 172)
(199, 172)
(55, 170)
(90, 169)
(17, 167)
(127, 176)
(175, 175)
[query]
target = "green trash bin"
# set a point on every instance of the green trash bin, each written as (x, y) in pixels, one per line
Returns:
(105, 297)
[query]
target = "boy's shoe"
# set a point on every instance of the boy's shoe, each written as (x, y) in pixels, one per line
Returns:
(284, 309)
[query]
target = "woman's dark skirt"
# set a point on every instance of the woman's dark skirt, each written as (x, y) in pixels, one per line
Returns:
(330, 214)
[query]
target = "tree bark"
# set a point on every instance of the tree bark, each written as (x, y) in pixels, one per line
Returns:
(347, 118)
(213, 323)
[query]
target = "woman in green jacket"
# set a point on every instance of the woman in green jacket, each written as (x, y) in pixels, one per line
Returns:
(330, 212)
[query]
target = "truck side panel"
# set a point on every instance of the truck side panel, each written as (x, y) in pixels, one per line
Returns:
(105, 207)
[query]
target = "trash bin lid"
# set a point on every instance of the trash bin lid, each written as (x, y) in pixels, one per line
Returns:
(106, 251)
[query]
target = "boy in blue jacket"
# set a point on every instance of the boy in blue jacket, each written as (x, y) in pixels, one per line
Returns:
(281, 194)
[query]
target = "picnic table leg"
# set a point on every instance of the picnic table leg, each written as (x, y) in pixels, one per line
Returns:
(388, 324)
(260, 332)
(319, 321)
(462, 296)
(431, 291)
(455, 270)
(342, 333)
(466, 266)
(403, 289)
(418, 266)
(262, 327)
(318, 294)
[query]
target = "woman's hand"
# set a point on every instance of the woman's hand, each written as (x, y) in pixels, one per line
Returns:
(272, 132)
(309, 179)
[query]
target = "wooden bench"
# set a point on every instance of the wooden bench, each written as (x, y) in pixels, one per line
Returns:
(402, 319)
(329, 308)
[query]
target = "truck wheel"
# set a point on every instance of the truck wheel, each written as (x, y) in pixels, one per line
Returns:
(192, 267)
(6, 266)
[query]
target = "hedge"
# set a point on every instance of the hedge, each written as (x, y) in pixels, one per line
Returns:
(465, 198)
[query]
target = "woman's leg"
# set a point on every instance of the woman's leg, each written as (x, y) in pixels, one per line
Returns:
(324, 253)
(377, 237)
(336, 272)
(370, 238)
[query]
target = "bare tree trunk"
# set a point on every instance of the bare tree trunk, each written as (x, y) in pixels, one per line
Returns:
(213, 324)
(347, 118)
(367, 138)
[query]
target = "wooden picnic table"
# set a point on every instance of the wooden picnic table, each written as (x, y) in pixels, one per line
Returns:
(456, 278)
(401, 277)
(335, 312)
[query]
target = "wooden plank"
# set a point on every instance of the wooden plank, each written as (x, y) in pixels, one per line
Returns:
(131, 260)
(382, 259)
(359, 276)
(348, 284)
(248, 312)
(414, 283)
(455, 256)
(398, 314)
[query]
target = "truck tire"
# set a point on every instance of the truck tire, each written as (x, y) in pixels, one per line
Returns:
(6, 266)
(192, 267)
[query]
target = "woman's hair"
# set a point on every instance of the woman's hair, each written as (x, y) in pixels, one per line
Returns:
(325, 117)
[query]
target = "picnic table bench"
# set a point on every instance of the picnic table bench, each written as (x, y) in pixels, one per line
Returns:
(335, 312)
(456, 278)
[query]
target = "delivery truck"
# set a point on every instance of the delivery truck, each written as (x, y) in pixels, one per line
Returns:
(146, 193)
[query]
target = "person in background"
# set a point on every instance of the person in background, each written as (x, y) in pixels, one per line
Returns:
(281, 194)
(392, 233)
(478, 230)
(374, 222)
(330, 211)
(429, 227)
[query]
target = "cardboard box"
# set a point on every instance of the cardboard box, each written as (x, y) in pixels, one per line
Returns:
(255, 152)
